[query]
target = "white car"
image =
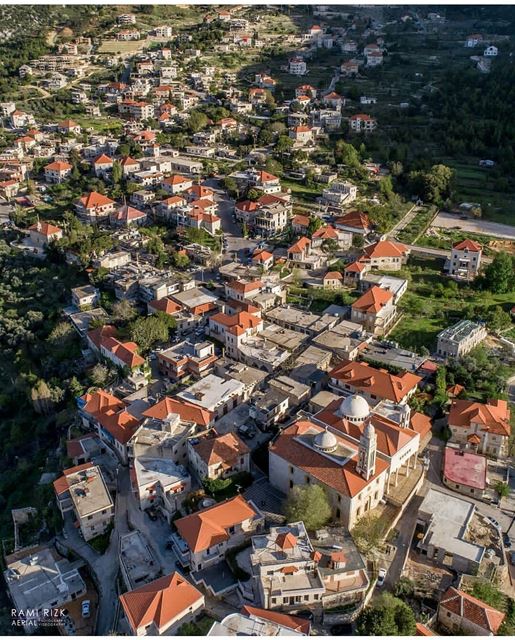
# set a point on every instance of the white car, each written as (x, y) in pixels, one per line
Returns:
(381, 577)
(86, 608)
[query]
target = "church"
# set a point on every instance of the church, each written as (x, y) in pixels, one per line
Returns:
(356, 454)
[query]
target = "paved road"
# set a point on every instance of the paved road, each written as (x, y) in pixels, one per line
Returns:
(406, 528)
(236, 244)
(404, 221)
(448, 220)
(104, 567)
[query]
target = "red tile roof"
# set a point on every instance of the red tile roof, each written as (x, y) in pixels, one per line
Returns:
(160, 602)
(356, 219)
(386, 249)
(58, 166)
(166, 305)
(343, 479)
(493, 416)
(473, 610)
(292, 622)
(225, 448)
(94, 199)
(470, 245)
(362, 377)
(103, 159)
(390, 436)
(187, 411)
(208, 527)
(45, 229)
(373, 300)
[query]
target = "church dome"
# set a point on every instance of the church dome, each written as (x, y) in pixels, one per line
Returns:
(355, 408)
(325, 441)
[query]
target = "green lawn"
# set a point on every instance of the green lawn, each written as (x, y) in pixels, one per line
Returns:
(417, 226)
(427, 310)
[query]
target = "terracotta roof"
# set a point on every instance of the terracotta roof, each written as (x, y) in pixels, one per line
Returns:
(264, 176)
(390, 436)
(373, 300)
(292, 622)
(74, 447)
(61, 484)
(422, 630)
(333, 275)
(379, 382)
(300, 246)
(159, 602)
(187, 411)
(208, 527)
(357, 219)
(493, 416)
(332, 96)
(128, 161)
(262, 256)
(343, 479)
(101, 401)
(126, 213)
(470, 245)
(286, 541)
(44, 228)
(200, 192)
(95, 199)
(177, 179)
(223, 449)
(326, 233)
(237, 323)
(420, 423)
(166, 305)
(245, 287)
(103, 159)
(455, 390)
(472, 609)
(355, 267)
(58, 166)
(124, 351)
(386, 249)
(67, 124)
(361, 116)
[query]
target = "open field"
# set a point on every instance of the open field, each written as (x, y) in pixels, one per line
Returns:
(115, 46)
(428, 308)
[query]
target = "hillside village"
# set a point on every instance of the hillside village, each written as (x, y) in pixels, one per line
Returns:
(258, 377)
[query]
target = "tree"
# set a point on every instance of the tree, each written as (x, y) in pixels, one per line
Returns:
(309, 504)
(231, 186)
(181, 260)
(254, 194)
(117, 173)
(146, 332)
(368, 532)
(274, 167)
(358, 241)
(500, 273)
(386, 616)
(123, 312)
(99, 375)
(197, 121)
(314, 224)
(497, 319)
(502, 488)
(440, 397)
(346, 154)
(284, 144)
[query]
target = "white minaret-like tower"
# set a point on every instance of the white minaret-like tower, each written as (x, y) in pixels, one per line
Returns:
(367, 452)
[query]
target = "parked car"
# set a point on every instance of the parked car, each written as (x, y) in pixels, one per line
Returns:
(344, 629)
(381, 577)
(245, 431)
(507, 541)
(86, 608)
(512, 557)
(494, 522)
(152, 513)
(306, 614)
